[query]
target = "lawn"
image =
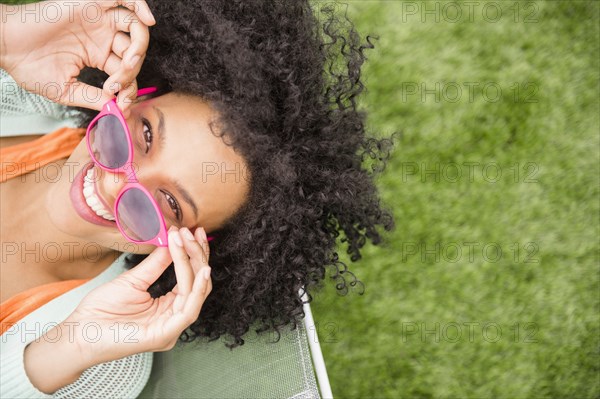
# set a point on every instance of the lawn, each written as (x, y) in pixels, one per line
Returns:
(489, 285)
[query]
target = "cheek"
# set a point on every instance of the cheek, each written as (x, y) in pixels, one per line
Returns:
(58, 202)
(59, 205)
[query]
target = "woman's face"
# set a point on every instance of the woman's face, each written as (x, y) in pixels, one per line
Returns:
(196, 179)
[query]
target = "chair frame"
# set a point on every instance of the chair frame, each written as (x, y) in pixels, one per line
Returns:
(315, 351)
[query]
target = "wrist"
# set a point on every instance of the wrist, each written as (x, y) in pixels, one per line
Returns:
(55, 360)
(99, 341)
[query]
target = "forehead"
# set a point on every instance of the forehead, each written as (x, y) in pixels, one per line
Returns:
(215, 175)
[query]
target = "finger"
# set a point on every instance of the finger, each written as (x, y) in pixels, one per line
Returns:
(127, 97)
(113, 64)
(113, 67)
(140, 8)
(151, 268)
(198, 257)
(193, 304)
(202, 287)
(200, 235)
(183, 268)
(127, 21)
(121, 42)
(82, 95)
(125, 84)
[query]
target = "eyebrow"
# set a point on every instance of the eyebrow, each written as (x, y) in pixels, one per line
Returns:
(161, 139)
(161, 127)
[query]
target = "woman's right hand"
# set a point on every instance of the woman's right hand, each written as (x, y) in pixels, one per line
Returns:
(46, 45)
(120, 318)
(129, 319)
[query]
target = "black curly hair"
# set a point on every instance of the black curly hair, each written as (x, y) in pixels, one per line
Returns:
(284, 77)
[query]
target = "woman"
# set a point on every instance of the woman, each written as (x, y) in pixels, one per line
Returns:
(252, 136)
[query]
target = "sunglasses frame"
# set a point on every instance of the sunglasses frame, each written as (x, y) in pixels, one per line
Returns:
(132, 182)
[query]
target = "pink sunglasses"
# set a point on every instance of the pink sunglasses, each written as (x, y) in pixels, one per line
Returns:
(109, 143)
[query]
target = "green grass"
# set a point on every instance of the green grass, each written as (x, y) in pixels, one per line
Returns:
(544, 298)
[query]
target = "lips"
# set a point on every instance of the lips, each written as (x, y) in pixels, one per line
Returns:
(79, 201)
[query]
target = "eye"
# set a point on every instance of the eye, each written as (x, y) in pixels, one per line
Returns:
(148, 137)
(173, 204)
(147, 134)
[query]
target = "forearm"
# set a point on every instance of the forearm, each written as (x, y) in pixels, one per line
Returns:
(55, 360)
(8, 26)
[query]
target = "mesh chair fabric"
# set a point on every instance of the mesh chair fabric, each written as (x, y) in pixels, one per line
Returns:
(260, 368)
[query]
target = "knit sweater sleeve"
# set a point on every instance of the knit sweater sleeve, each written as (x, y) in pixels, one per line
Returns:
(122, 378)
(23, 113)
(14, 382)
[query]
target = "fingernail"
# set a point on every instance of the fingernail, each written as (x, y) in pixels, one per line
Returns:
(176, 238)
(114, 88)
(200, 234)
(206, 273)
(186, 233)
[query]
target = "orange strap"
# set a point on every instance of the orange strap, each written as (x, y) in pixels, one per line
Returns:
(18, 306)
(26, 157)
(18, 160)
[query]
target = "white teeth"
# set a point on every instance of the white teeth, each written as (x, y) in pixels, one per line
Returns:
(87, 191)
(89, 176)
(92, 199)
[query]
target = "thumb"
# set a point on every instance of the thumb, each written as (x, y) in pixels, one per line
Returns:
(147, 272)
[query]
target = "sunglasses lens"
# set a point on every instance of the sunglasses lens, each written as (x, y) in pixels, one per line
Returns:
(137, 215)
(109, 143)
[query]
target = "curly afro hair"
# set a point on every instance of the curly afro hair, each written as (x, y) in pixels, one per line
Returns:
(285, 85)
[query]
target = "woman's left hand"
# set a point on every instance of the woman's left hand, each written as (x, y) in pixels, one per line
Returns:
(129, 319)
(120, 318)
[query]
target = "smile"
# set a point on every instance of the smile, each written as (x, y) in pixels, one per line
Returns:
(92, 198)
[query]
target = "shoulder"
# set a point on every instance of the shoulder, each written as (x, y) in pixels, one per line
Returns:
(125, 377)
(34, 324)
